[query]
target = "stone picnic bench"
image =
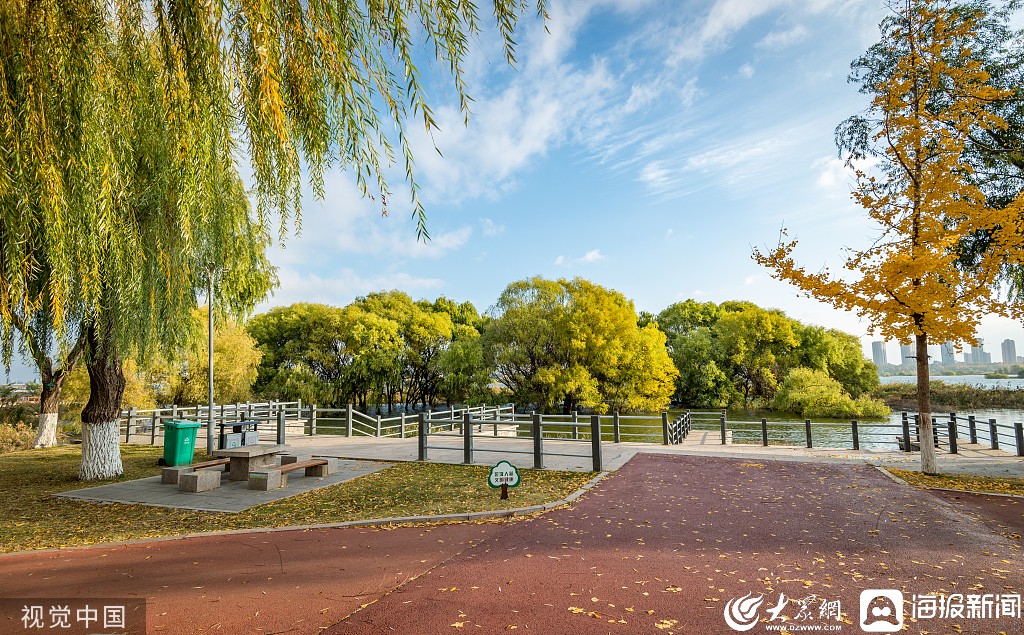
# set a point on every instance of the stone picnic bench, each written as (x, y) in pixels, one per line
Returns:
(276, 476)
(239, 462)
(255, 464)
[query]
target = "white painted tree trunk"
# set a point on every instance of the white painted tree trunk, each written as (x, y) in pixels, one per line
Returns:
(47, 435)
(101, 451)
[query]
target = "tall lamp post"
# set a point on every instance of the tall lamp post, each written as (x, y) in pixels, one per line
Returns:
(209, 414)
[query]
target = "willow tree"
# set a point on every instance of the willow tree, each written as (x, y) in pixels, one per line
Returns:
(119, 194)
(910, 283)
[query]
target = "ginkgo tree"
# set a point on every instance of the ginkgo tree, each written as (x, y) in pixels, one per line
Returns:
(910, 283)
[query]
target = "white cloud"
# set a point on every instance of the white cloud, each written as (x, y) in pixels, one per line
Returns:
(746, 70)
(655, 176)
(723, 19)
(491, 229)
(592, 256)
(342, 287)
(641, 95)
(833, 173)
(783, 39)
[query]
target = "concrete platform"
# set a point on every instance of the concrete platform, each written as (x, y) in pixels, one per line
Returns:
(231, 496)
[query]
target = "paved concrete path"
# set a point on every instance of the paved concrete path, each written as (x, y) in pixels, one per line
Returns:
(661, 546)
(973, 459)
(231, 496)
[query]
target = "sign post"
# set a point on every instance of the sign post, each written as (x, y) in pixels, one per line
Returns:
(503, 475)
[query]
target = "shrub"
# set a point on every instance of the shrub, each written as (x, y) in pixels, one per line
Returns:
(812, 393)
(16, 437)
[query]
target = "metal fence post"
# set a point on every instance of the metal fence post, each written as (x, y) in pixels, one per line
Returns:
(348, 420)
(312, 419)
(595, 441)
(972, 428)
(993, 434)
(764, 432)
(376, 432)
(280, 427)
(152, 429)
(616, 430)
(131, 421)
(952, 434)
(807, 431)
(402, 436)
(906, 431)
(575, 420)
(423, 432)
(856, 435)
(467, 439)
(1018, 433)
(722, 422)
(664, 428)
(538, 444)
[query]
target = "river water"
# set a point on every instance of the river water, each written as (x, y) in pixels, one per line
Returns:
(979, 381)
(878, 434)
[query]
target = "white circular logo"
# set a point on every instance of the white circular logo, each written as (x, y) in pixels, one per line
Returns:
(741, 614)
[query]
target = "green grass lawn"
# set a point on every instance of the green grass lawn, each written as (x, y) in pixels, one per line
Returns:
(31, 518)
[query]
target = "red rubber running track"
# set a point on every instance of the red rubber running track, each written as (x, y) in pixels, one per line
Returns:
(660, 546)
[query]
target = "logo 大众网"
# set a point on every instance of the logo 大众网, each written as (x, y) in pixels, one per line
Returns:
(881, 610)
(741, 613)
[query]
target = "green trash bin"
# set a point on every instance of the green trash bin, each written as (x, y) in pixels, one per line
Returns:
(179, 441)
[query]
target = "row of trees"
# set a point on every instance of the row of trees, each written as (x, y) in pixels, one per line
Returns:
(561, 345)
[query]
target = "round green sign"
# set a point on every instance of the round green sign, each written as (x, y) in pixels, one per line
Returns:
(504, 473)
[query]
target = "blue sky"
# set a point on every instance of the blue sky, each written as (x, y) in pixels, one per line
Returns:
(646, 145)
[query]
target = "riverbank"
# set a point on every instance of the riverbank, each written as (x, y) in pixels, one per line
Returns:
(951, 396)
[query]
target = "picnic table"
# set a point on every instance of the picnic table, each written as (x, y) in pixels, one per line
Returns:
(250, 457)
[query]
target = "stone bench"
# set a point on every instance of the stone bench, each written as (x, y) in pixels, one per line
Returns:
(172, 475)
(199, 481)
(276, 477)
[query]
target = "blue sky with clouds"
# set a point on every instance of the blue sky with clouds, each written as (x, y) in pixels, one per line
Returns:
(646, 145)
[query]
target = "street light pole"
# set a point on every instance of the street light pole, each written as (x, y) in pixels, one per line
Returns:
(209, 415)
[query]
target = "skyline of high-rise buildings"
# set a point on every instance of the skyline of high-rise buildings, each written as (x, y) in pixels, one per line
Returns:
(878, 353)
(973, 354)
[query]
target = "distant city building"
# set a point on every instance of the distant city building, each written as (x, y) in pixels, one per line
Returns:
(1009, 349)
(948, 351)
(878, 353)
(908, 355)
(978, 354)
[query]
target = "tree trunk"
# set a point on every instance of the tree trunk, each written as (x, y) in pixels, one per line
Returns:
(49, 407)
(924, 407)
(101, 449)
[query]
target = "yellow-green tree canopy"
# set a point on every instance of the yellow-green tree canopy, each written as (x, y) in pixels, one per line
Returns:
(235, 360)
(573, 344)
